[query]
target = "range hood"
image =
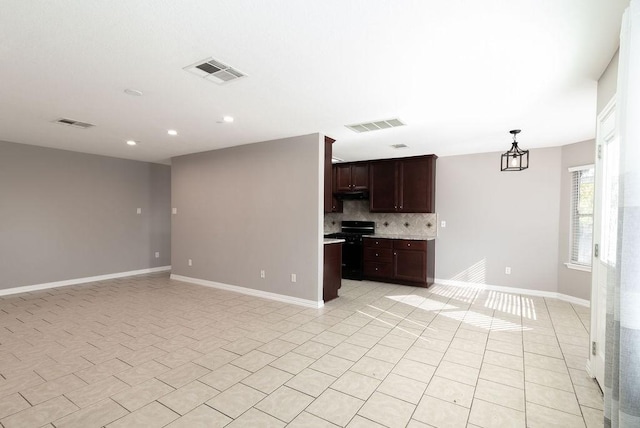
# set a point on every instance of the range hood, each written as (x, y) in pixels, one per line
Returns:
(352, 195)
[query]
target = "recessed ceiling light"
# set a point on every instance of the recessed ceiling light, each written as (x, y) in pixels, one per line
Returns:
(228, 119)
(134, 92)
(131, 143)
(172, 132)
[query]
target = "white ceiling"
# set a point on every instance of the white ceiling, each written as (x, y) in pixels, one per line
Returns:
(461, 74)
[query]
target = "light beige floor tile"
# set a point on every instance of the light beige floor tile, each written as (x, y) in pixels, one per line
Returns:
(256, 418)
(179, 357)
(95, 392)
(285, 403)
(580, 377)
(543, 417)
(362, 339)
(541, 349)
(143, 372)
(514, 378)
(188, 397)
(332, 365)
(548, 378)
(385, 353)
(11, 404)
(490, 415)
(312, 349)
(545, 362)
(458, 372)
(307, 420)
(94, 416)
(151, 416)
(500, 394)
(356, 384)
(468, 345)
(201, 417)
(371, 367)
(398, 342)
(404, 388)
(386, 410)
(503, 360)
(182, 375)
(293, 363)
(424, 355)
(139, 396)
(267, 379)
(336, 407)
(253, 360)
(215, 359)
(102, 371)
(417, 424)
(52, 389)
(463, 357)
(277, 347)
(297, 336)
(441, 414)
(451, 391)
(593, 418)
(242, 346)
(311, 382)
(589, 396)
(328, 338)
(553, 398)
(360, 422)
(41, 414)
(414, 370)
(224, 377)
(236, 400)
(349, 351)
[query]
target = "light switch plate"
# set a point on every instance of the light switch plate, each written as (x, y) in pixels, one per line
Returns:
(139, 211)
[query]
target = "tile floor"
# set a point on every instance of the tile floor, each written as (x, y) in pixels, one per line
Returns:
(149, 352)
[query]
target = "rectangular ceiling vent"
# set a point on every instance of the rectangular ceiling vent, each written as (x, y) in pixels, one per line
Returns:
(375, 126)
(73, 123)
(399, 146)
(214, 71)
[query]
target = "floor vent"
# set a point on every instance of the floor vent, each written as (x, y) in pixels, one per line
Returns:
(73, 123)
(375, 126)
(214, 71)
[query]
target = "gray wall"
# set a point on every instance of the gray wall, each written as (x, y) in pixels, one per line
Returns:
(570, 281)
(497, 219)
(248, 208)
(608, 83)
(67, 215)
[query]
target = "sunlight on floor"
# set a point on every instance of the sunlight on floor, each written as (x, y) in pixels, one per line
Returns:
(511, 304)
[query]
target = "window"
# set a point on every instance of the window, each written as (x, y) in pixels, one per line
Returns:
(580, 241)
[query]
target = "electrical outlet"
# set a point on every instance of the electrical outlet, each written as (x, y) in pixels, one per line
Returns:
(157, 254)
(139, 211)
(507, 270)
(262, 275)
(174, 211)
(443, 223)
(293, 277)
(190, 262)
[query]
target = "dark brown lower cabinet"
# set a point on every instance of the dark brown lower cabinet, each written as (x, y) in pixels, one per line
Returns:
(400, 261)
(332, 271)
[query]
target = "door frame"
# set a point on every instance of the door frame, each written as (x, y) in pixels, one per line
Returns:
(591, 367)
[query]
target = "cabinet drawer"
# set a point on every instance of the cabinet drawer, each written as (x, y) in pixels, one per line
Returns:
(377, 254)
(377, 243)
(408, 244)
(381, 270)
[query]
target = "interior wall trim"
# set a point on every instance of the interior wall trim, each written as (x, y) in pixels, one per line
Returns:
(251, 292)
(76, 281)
(515, 290)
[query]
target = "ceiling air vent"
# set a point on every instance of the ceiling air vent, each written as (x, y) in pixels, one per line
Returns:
(73, 123)
(215, 71)
(375, 126)
(399, 146)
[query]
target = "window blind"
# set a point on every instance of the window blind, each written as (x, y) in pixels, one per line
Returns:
(582, 193)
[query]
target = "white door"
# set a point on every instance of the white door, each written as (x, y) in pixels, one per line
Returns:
(605, 227)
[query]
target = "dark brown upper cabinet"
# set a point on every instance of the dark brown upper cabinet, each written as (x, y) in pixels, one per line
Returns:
(403, 185)
(352, 176)
(336, 204)
(328, 175)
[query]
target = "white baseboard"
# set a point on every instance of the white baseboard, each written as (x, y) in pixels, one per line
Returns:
(515, 290)
(250, 291)
(76, 281)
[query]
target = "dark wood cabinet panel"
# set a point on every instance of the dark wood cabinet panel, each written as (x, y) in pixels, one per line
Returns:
(400, 261)
(382, 186)
(332, 271)
(352, 176)
(403, 185)
(336, 204)
(328, 174)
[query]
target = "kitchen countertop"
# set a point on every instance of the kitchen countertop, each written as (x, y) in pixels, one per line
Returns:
(333, 241)
(408, 237)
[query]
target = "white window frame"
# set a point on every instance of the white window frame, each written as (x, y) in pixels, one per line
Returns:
(574, 264)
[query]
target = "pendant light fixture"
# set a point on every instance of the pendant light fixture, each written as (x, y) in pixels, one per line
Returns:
(515, 159)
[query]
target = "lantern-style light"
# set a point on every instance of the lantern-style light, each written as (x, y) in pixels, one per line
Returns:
(515, 159)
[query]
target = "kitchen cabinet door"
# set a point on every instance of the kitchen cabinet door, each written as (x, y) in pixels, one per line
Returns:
(336, 204)
(343, 177)
(352, 176)
(416, 185)
(328, 175)
(382, 186)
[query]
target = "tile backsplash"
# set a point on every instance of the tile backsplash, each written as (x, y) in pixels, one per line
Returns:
(386, 223)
